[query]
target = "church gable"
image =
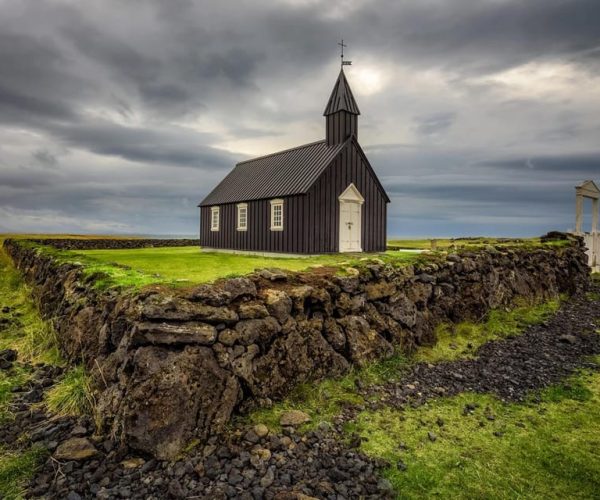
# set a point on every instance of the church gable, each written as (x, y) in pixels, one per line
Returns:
(352, 165)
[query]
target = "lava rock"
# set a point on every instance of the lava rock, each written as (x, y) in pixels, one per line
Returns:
(293, 418)
(76, 448)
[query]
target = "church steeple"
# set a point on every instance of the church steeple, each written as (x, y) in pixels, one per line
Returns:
(341, 112)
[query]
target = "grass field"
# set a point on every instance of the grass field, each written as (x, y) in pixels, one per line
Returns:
(181, 266)
(542, 449)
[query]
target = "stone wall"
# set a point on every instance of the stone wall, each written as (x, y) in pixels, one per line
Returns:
(114, 244)
(175, 364)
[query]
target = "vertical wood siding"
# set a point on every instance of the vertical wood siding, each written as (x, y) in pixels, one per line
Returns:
(311, 221)
(340, 126)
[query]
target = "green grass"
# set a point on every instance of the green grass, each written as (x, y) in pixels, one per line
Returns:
(544, 450)
(10, 379)
(27, 332)
(16, 469)
(324, 400)
(71, 395)
(461, 340)
(36, 342)
(181, 266)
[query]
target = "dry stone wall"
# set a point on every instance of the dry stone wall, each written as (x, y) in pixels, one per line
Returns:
(116, 243)
(173, 365)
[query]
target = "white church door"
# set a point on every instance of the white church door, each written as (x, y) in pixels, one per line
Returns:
(351, 202)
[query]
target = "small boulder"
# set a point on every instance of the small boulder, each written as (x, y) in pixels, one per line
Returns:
(293, 418)
(239, 287)
(273, 274)
(268, 478)
(75, 449)
(425, 278)
(133, 463)
(252, 310)
(376, 291)
(190, 332)
(209, 294)
(278, 303)
(79, 430)
(567, 339)
(261, 430)
(228, 337)
(252, 330)
(251, 437)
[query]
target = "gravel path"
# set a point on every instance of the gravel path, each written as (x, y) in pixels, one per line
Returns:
(250, 465)
(512, 367)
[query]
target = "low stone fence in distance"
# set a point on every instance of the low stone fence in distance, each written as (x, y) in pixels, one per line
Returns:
(114, 244)
(172, 365)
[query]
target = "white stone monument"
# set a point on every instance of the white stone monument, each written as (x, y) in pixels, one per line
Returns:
(588, 189)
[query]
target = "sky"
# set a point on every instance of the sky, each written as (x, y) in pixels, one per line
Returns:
(479, 116)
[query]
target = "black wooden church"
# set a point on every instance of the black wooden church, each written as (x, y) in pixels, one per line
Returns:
(321, 197)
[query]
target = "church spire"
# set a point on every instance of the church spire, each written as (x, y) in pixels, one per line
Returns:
(341, 113)
(341, 98)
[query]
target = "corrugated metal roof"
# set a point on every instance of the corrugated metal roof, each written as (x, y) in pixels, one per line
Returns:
(288, 172)
(341, 98)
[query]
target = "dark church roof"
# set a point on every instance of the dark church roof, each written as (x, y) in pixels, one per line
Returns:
(341, 98)
(285, 173)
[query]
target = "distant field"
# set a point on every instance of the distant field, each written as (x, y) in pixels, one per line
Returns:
(443, 243)
(35, 236)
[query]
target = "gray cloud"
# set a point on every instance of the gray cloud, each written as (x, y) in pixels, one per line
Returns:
(173, 146)
(434, 124)
(99, 101)
(45, 157)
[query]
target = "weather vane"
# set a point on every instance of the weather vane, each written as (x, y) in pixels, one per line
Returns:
(342, 45)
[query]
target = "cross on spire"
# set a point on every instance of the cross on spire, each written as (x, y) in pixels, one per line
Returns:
(342, 45)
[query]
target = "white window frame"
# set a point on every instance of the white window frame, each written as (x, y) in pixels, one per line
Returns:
(215, 218)
(276, 203)
(242, 207)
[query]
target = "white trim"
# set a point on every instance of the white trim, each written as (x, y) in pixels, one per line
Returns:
(352, 194)
(242, 206)
(214, 224)
(352, 201)
(277, 203)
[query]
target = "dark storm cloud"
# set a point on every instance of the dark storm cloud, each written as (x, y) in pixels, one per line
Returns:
(175, 146)
(486, 35)
(23, 179)
(36, 80)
